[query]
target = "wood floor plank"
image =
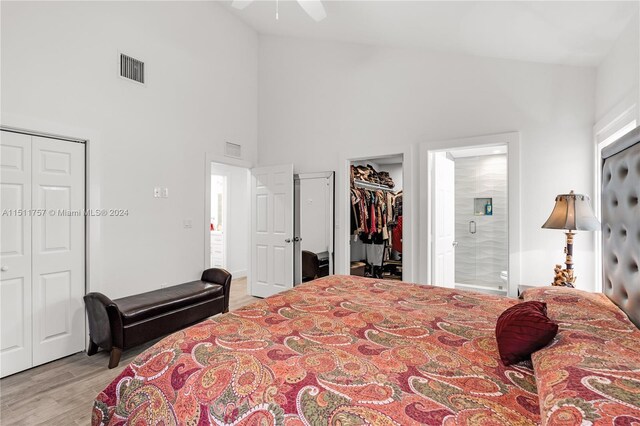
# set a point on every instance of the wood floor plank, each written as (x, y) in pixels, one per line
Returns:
(62, 392)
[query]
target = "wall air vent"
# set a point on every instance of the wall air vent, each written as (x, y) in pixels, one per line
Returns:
(233, 150)
(131, 68)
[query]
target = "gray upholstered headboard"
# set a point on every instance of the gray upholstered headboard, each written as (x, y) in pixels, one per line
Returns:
(621, 223)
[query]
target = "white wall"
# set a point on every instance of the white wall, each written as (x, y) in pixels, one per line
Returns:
(237, 235)
(618, 76)
(318, 100)
(60, 74)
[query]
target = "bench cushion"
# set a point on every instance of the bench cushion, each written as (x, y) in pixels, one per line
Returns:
(143, 306)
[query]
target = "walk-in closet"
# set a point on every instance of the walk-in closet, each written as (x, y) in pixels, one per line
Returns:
(376, 217)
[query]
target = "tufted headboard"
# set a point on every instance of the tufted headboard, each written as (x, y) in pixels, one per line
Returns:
(621, 223)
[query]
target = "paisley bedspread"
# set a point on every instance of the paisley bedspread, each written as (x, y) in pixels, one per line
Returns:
(590, 374)
(341, 350)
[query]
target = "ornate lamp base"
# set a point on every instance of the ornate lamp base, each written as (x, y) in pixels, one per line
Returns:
(565, 277)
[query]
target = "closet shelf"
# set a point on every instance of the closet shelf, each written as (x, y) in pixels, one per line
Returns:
(368, 185)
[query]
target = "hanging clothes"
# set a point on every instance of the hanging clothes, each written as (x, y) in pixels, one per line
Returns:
(355, 219)
(396, 240)
(373, 211)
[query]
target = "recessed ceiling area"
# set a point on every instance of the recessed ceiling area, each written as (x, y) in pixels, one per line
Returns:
(559, 32)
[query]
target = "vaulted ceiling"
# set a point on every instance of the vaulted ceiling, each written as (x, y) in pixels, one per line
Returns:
(560, 32)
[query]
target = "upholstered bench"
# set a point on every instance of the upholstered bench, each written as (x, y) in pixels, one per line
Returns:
(116, 325)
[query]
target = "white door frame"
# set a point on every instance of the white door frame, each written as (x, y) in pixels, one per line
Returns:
(211, 157)
(512, 140)
(343, 216)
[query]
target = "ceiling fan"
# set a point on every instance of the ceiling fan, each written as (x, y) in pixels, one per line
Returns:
(314, 8)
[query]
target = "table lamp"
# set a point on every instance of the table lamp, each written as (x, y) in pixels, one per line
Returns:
(572, 212)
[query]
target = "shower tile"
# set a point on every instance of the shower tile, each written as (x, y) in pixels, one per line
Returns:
(480, 257)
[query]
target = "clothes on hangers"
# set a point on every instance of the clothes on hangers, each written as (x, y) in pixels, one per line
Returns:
(396, 235)
(376, 214)
(396, 240)
(370, 212)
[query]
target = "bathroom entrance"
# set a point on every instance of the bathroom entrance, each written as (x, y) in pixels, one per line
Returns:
(470, 218)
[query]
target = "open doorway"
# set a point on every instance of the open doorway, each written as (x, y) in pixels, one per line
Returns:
(229, 219)
(469, 201)
(376, 224)
(313, 226)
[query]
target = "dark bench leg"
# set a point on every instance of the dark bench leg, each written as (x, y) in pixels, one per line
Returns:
(93, 348)
(114, 360)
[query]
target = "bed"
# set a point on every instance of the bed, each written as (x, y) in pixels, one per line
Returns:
(346, 350)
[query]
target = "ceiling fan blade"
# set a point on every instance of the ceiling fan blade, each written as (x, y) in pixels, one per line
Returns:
(241, 4)
(314, 8)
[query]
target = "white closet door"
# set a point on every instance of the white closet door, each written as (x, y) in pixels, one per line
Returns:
(58, 249)
(272, 229)
(15, 282)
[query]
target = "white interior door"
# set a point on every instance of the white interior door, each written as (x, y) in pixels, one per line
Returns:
(58, 275)
(15, 282)
(444, 212)
(272, 230)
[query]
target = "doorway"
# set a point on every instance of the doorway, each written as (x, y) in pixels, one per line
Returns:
(376, 217)
(471, 218)
(314, 213)
(472, 211)
(229, 219)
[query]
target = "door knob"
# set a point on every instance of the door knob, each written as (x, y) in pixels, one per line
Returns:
(4, 269)
(288, 240)
(297, 239)
(455, 244)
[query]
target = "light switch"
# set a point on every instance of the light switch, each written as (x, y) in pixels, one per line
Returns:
(165, 192)
(156, 192)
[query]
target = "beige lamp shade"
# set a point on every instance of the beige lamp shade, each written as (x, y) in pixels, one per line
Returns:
(572, 212)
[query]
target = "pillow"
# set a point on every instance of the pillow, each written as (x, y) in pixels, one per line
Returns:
(523, 329)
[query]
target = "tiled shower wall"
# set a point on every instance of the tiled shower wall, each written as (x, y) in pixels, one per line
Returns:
(480, 257)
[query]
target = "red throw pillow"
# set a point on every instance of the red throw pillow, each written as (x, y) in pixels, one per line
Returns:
(523, 329)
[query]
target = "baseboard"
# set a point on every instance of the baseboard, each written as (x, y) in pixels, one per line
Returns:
(242, 273)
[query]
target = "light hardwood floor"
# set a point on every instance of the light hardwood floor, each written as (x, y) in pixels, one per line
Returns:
(62, 392)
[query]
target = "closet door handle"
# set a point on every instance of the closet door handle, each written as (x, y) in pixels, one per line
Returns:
(472, 226)
(297, 239)
(288, 240)
(4, 269)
